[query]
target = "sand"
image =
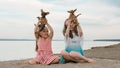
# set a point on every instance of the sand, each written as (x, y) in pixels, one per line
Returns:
(105, 57)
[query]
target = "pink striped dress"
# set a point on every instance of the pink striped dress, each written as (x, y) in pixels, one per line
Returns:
(44, 53)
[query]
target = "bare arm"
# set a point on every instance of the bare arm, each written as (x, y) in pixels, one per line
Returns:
(36, 31)
(67, 31)
(80, 30)
(51, 31)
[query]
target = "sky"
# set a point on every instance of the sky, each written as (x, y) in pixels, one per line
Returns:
(100, 19)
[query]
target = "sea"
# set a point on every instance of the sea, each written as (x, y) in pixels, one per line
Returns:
(24, 49)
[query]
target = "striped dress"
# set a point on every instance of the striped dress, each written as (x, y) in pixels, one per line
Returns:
(44, 53)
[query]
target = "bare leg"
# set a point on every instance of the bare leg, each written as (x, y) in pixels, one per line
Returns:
(66, 56)
(29, 62)
(55, 61)
(78, 56)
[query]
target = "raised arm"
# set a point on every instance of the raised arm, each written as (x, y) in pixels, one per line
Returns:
(36, 28)
(80, 30)
(36, 31)
(51, 31)
(67, 30)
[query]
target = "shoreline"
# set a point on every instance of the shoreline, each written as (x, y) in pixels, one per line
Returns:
(105, 57)
(105, 52)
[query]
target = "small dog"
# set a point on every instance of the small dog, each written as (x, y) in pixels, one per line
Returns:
(43, 18)
(72, 17)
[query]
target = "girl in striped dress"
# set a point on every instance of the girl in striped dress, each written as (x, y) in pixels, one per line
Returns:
(44, 50)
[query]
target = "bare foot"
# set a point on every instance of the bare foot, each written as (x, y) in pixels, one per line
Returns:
(29, 62)
(91, 60)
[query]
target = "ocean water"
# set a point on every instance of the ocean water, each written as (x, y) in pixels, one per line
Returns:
(16, 50)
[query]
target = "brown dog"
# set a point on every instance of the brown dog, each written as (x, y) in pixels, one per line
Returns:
(43, 18)
(72, 17)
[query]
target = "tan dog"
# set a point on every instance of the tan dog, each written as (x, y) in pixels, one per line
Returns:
(43, 18)
(72, 17)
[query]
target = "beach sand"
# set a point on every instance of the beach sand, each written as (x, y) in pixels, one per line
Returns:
(105, 57)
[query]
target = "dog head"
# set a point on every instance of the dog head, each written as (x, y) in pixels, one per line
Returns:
(71, 11)
(43, 13)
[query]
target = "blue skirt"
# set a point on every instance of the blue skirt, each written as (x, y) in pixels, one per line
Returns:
(76, 48)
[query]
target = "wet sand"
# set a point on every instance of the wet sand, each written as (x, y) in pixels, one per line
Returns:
(105, 57)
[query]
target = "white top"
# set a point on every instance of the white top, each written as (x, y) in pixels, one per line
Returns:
(75, 41)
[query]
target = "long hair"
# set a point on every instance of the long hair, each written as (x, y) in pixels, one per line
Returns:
(70, 32)
(41, 27)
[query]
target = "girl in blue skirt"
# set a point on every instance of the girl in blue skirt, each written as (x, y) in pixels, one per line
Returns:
(73, 39)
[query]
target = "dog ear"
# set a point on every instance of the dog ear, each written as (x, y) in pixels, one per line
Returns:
(68, 11)
(47, 13)
(74, 10)
(38, 17)
(42, 11)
